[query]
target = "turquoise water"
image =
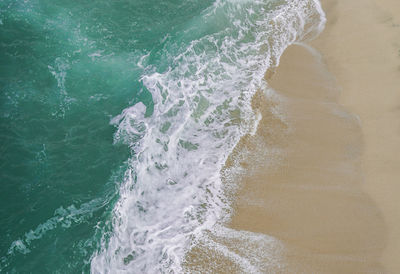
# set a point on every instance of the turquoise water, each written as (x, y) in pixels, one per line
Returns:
(115, 120)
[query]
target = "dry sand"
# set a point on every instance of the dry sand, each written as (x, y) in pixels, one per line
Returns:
(361, 46)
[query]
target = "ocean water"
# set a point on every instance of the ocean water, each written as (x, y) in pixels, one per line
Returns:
(116, 119)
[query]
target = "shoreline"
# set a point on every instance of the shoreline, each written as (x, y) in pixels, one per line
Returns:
(313, 167)
(310, 196)
(360, 46)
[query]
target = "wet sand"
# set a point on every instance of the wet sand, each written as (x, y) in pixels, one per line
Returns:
(361, 46)
(303, 189)
(322, 176)
(310, 197)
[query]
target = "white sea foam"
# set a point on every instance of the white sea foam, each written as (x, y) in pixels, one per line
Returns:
(172, 191)
(249, 252)
(63, 217)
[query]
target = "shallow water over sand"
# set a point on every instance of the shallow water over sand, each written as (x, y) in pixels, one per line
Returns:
(303, 187)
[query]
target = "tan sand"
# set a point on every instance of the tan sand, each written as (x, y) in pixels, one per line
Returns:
(323, 168)
(303, 186)
(361, 45)
(311, 198)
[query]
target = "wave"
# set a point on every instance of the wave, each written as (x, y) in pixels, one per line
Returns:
(63, 218)
(172, 191)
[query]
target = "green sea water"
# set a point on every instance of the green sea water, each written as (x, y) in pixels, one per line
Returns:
(66, 68)
(116, 118)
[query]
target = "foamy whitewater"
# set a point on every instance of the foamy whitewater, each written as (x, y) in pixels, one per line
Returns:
(172, 191)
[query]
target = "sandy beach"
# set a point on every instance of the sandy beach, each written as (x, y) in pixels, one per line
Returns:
(320, 193)
(322, 176)
(361, 46)
(311, 196)
(333, 199)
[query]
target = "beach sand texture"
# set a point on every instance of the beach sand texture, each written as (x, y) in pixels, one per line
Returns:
(323, 168)
(358, 228)
(310, 196)
(361, 46)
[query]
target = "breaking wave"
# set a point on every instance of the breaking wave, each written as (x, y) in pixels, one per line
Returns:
(172, 191)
